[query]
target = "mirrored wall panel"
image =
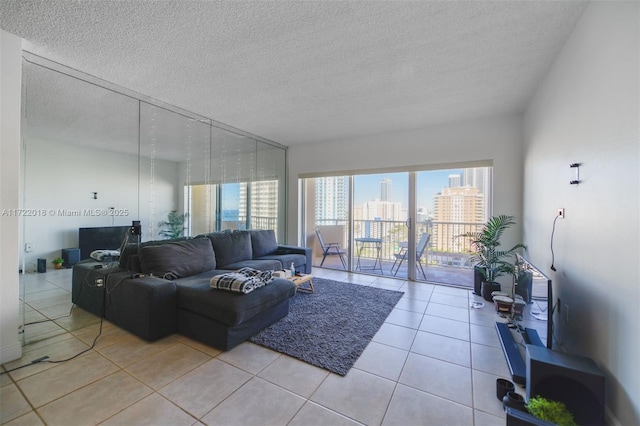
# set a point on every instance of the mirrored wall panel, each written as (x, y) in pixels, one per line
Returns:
(97, 157)
(175, 152)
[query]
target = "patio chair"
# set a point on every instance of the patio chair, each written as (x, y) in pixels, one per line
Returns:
(331, 249)
(401, 256)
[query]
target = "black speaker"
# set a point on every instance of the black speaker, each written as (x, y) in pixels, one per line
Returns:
(477, 280)
(71, 256)
(574, 380)
(42, 265)
(136, 229)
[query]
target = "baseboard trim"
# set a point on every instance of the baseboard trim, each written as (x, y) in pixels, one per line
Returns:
(10, 352)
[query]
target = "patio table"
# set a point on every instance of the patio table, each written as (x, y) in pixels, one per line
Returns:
(368, 242)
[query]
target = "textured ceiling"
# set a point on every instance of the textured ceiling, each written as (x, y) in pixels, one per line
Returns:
(302, 71)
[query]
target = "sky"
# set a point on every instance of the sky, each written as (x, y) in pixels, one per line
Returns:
(367, 187)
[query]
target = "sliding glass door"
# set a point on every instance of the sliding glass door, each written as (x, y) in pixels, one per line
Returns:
(381, 217)
(401, 224)
(327, 216)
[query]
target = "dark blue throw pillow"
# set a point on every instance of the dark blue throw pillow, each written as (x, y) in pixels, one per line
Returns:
(263, 242)
(231, 247)
(177, 259)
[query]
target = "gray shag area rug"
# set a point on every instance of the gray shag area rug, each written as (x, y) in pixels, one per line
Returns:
(331, 327)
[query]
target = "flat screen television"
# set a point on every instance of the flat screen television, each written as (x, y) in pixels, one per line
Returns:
(536, 289)
(534, 324)
(100, 238)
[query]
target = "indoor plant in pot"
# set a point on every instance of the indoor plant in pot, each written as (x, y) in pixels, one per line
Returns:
(57, 262)
(174, 226)
(551, 411)
(489, 260)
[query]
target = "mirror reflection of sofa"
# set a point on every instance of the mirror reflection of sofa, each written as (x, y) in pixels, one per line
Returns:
(163, 287)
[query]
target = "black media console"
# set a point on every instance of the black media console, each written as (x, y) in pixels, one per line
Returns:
(513, 350)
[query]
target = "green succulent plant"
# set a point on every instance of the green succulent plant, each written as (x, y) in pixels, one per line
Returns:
(551, 411)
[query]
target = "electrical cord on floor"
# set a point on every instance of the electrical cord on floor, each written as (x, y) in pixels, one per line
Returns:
(82, 352)
(35, 361)
(46, 357)
(73, 305)
(95, 340)
(106, 291)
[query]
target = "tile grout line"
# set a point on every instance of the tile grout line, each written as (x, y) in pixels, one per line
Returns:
(403, 287)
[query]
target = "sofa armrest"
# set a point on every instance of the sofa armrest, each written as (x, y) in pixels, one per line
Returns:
(286, 249)
(85, 291)
(145, 306)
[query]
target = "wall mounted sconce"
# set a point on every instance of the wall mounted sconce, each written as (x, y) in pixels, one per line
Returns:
(95, 195)
(576, 167)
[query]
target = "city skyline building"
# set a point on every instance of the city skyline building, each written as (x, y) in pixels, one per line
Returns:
(380, 210)
(479, 177)
(331, 200)
(263, 203)
(385, 189)
(462, 205)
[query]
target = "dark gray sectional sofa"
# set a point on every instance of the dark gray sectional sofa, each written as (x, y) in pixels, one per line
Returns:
(162, 287)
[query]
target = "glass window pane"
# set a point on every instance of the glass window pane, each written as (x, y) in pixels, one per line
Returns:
(380, 212)
(328, 217)
(449, 203)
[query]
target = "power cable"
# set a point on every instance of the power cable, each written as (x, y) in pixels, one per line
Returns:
(553, 231)
(46, 357)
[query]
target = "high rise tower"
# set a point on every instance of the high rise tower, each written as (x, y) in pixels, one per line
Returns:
(331, 198)
(479, 177)
(385, 189)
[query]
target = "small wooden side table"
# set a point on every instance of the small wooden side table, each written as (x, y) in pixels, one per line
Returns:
(298, 280)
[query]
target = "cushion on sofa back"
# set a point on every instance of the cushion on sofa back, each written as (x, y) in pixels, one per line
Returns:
(231, 247)
(263, 242)
(129, 257)
(177, 259)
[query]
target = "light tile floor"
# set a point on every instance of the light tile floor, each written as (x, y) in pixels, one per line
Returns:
(433, 362)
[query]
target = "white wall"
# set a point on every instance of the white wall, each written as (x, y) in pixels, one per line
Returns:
(10, 101)
(62, 177)
(586, 111)
(497, 138)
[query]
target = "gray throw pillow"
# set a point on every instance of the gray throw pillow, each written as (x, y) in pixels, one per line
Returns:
(177, 259)
(231, 247)
(263, 242)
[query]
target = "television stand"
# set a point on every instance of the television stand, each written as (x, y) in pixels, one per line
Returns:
(511, 349)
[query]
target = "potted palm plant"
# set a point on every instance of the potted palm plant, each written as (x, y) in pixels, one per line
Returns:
(490, 261)
(174, 226)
